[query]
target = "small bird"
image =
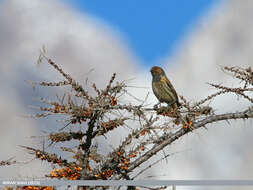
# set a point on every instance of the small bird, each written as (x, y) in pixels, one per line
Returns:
(162, 88)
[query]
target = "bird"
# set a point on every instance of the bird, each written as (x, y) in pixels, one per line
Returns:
(162, 87)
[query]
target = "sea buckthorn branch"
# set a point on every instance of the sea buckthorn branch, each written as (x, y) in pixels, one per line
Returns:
(103, 113)
(52, 158)
(167, 139)
(243, 74)
(8, 162)
(237, 91)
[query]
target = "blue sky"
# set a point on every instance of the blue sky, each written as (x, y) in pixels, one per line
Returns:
(152, 28)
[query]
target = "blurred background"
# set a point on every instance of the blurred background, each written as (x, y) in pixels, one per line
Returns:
(191, 40)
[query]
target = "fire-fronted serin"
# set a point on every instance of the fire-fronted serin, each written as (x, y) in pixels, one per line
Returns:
(162, 88)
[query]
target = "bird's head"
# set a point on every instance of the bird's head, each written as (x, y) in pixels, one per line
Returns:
(156, 71)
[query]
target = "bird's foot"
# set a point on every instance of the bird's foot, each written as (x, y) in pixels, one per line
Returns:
(170, 105)
(156, 106)
(173, 105)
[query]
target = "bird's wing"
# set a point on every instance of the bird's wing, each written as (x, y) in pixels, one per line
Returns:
(166, 80)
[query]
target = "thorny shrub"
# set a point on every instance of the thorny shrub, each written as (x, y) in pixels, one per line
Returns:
(101, 113)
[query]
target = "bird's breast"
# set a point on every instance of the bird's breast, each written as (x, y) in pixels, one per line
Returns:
(162, 91)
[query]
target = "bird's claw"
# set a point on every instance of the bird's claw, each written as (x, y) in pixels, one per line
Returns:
(156, 106)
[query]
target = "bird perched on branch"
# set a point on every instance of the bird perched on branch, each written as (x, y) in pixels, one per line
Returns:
(162, 88)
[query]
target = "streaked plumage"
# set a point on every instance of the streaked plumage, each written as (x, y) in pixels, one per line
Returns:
(162, 88)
